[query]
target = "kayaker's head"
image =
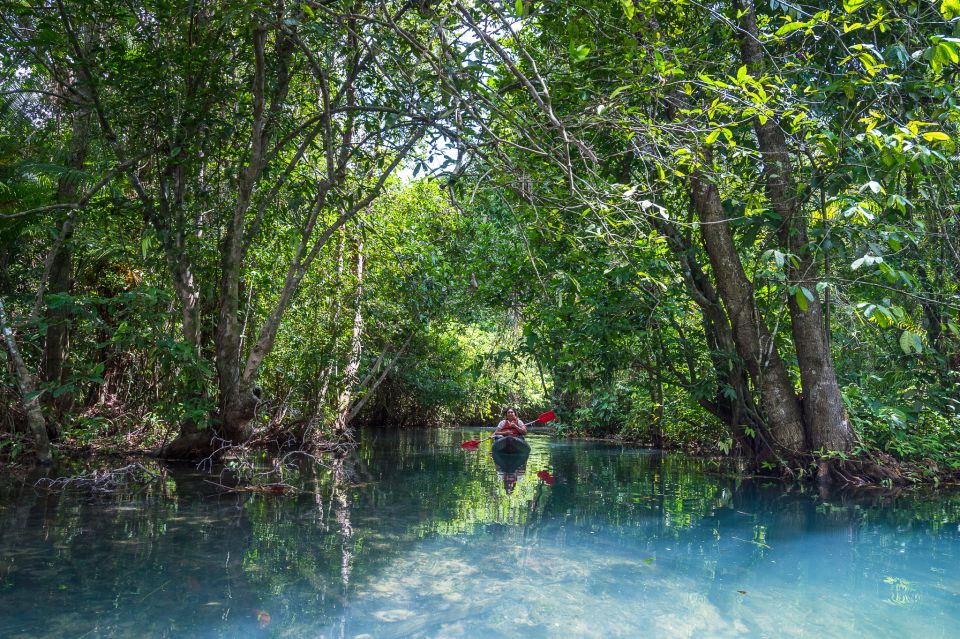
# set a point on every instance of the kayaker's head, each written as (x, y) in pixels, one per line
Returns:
(510, 415)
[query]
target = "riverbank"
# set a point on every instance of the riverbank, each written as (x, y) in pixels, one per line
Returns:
(107, 452)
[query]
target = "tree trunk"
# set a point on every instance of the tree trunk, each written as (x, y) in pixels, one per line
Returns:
(371, 389)
(750, 333)
(29, 399)
(60, 271)
(738, 411)
(330, 369)
(825, 418)
(341, 424)
(238, 401)
(656, 400)
(60, 280)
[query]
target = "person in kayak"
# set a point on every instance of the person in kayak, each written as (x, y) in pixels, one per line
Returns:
(510, 425)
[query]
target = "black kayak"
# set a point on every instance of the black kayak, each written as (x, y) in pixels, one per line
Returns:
(511, 445)
(510, 454)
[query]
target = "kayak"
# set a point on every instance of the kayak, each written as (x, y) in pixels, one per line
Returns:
(511, 445)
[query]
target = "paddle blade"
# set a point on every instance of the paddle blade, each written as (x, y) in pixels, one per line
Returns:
(546, 477)
(548, 416)
(470, 444)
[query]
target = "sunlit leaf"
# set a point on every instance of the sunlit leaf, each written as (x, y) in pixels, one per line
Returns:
(852, 5)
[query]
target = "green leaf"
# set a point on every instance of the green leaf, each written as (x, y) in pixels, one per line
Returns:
(801, 299)
(62, 390)
(518, 8)
(936, 136)
(852, 5)
(713, 136)
(946, 52)
(579, 52)
(790, 27)
(628, 9)
(950, 9)
(910, 342)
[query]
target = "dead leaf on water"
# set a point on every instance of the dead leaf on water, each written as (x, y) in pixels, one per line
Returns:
(263, 618)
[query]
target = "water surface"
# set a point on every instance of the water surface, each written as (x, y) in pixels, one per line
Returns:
(413, 537)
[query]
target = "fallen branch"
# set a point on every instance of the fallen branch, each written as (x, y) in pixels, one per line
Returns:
(103, 481)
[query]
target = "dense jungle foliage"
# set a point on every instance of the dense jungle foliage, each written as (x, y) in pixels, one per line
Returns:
(726, 227)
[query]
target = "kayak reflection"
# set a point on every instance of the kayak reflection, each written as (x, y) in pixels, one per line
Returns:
(510, 457)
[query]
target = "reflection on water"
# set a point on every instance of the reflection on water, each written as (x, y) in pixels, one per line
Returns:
(414, 537)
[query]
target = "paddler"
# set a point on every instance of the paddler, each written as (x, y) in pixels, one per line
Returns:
(510, 425)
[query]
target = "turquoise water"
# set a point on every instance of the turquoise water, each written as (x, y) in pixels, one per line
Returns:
(413, 537)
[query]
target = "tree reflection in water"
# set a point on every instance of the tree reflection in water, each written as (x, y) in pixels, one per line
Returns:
(410, 536)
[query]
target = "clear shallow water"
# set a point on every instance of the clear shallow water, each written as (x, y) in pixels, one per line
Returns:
(420, 539)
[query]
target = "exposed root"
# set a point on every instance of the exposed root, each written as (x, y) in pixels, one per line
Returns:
(278, 488)
(103, 481)
(242, 472)
(868, 468)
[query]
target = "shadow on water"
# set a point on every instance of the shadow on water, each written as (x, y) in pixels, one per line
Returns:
(411, 536)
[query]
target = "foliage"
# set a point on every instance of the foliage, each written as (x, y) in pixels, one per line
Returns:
(236, 195)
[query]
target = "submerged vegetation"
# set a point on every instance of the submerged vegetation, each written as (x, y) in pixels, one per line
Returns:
(729, 227)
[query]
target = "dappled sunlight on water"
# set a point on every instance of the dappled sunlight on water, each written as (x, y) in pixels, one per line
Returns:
(423, 540)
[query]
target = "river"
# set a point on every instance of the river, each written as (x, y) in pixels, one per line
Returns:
(411, 536)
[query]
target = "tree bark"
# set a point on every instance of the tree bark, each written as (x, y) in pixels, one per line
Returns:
(60, 277)
(330, 369)
(739, 411)
(750, 333)
(341, 424)
(827, 425)
(26, 384)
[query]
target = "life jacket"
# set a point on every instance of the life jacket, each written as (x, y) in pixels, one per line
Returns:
(509, 428)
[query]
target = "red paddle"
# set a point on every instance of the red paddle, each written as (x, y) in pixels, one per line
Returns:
(548, 416)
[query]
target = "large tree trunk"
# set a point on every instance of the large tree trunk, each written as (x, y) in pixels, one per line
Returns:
(60, 280)
(27, 386)
(750, 332)
(59, 272)
(825, 417)
(739, 411)
(238, 398)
